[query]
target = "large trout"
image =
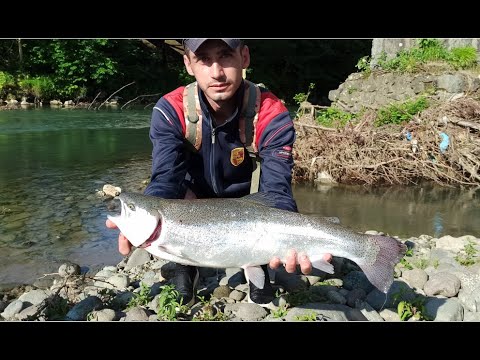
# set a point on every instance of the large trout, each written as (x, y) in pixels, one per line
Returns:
(248, 232)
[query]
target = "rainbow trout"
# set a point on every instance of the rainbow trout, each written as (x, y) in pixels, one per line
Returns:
(248, 232)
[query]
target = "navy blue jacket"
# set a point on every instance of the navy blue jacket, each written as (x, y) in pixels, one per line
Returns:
(214, 171)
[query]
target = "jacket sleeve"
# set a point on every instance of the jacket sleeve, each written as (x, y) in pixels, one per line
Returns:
(168, 155)
(275, 149)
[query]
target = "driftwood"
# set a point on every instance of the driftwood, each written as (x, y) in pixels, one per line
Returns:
(467, 124)
(89, 106)
(361, 153)
(123, 87)
(138, 97)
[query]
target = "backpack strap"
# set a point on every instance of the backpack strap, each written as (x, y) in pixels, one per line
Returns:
(193, 115)
(247, 123)
(249, 116)
(248, 129)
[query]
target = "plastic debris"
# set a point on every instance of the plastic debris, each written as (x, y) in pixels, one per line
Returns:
(444, 143)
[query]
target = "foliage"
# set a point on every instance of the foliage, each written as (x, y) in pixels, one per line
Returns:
(7, 82)
(280, 312)
(416, 309)
(41, 87)
(404, 261)
(401, 113)
(142, 298)
(427, 50)
(301, 97)
(209, 312)
(168, 305)
(312, 316)
(468, 256)
(333, 117)
(104, 66)
(363, 65)
(463, 57)
(72, 64)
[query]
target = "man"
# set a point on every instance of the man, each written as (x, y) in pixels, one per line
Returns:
(221, 167)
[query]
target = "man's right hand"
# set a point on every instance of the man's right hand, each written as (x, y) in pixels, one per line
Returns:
(124, 246)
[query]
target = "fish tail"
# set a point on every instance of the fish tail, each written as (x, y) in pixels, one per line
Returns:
(390, 252)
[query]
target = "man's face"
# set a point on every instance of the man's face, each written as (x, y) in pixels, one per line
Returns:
(217, 68)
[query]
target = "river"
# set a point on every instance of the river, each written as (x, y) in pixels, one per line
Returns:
(53, 161)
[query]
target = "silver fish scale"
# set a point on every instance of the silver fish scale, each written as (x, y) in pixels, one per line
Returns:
(231, 233)
(238, 232)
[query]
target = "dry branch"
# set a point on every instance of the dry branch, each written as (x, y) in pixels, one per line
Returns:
(123, 87)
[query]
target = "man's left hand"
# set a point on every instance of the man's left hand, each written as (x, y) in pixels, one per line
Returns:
(291, 262)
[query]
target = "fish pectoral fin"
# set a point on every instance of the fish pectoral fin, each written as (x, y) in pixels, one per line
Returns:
(320, 264)
(255, 275)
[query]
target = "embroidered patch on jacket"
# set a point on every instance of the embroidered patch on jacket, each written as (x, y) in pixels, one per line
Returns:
(237, 156)
(283, 153)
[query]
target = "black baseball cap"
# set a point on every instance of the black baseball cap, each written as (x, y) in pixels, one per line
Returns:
(194, 44)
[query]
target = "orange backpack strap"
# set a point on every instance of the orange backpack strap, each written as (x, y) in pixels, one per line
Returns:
(193, 115)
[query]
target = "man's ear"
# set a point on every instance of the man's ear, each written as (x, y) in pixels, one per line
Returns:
(188, 66)
(245, 57)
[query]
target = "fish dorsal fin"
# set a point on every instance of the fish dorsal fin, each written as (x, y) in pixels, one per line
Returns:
(260, 198)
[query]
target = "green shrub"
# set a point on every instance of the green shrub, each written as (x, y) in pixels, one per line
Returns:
(333, 117)
(463, 57)
(401, 113)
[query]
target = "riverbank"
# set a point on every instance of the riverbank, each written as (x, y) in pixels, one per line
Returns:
(438, 279)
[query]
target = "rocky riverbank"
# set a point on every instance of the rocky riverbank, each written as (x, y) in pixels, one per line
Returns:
(438, 279)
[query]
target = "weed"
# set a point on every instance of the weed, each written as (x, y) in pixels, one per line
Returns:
(307, 317)
(406, 264)
(422, 264)
(332, 117)
(427, 50)
(401, 113)
(168, 305)
(142, 298)
(416, 309)
(468, 256)
(280, 312)
(435, 264)
(363, 65)
(301, 97)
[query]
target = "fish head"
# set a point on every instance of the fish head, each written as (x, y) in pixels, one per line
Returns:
(138, 220)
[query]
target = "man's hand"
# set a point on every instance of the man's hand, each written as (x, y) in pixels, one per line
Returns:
(124, 246)
(291, 262)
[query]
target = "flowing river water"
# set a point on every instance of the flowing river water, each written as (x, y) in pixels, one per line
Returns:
(53, 161)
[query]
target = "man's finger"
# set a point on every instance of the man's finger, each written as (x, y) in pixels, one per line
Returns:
(327, 257)
(124, 246)
(291, 261)
(275, 263)
(305, 264)
(110, 224)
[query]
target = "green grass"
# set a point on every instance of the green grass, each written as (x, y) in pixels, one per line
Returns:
(401, 113)
(426, 50)
(468, 256)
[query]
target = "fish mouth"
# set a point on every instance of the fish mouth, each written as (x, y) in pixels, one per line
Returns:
(155, 235)
(138, 225)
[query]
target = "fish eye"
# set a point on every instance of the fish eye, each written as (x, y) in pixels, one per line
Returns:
(131, 206)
